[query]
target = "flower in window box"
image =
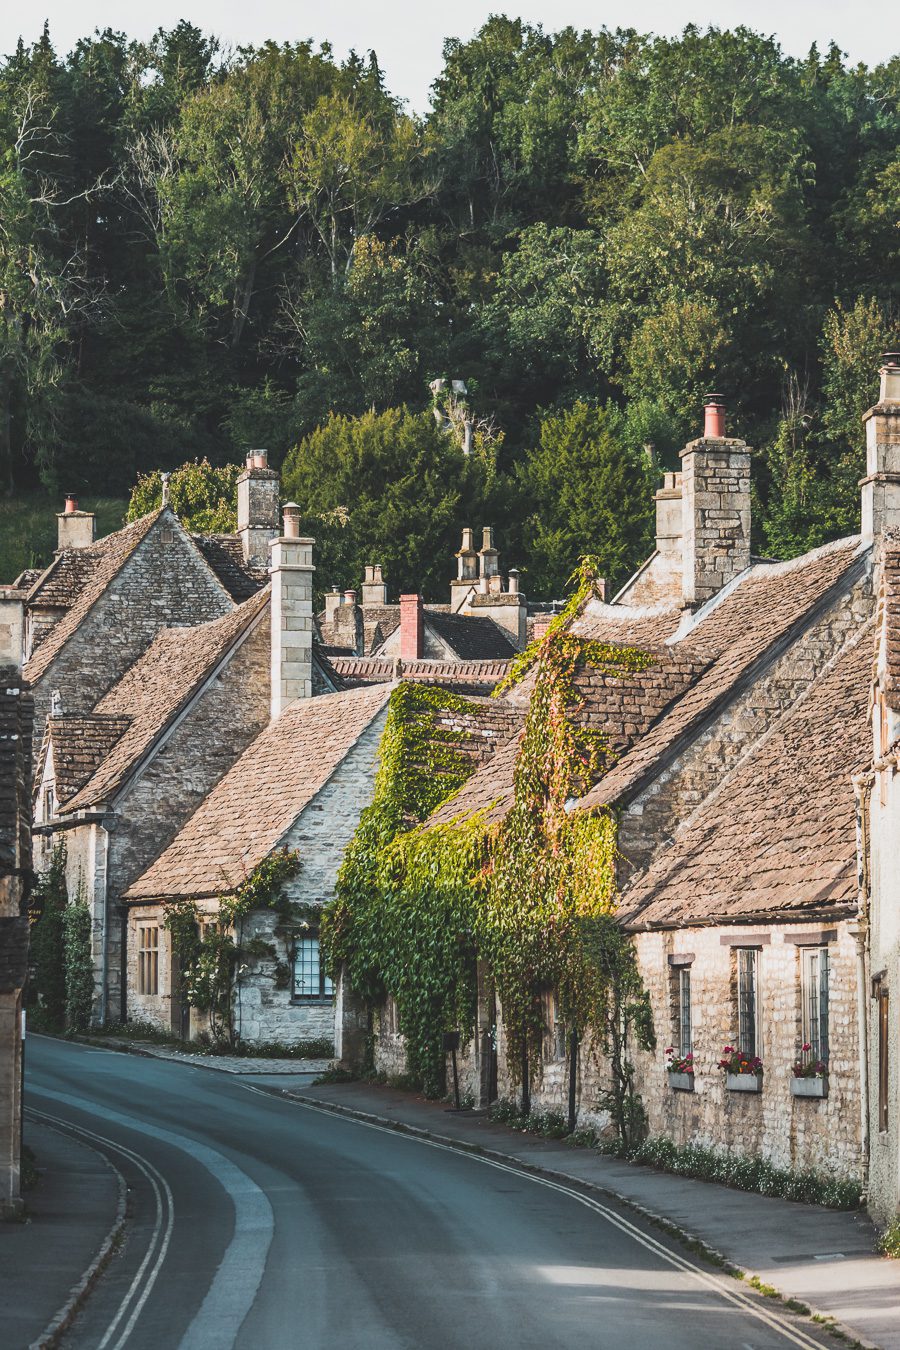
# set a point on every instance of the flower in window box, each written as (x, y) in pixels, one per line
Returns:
(734, 1061)
(805, 1066)
(676, 1063)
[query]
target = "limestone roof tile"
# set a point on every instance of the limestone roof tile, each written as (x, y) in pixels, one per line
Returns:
(778, 836)
(154, 690)
(78, 746)
(248, 812)
(730, 636)
(225, 555)
(106, 558)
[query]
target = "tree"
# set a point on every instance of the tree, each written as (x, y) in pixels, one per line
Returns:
(585, 493)
(203, 497)
(390, 488)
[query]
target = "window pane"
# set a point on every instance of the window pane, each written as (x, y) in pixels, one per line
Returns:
(685, 1039)
(824, 973)
(747, 1000)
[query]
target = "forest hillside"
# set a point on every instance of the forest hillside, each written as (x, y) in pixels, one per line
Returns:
(202, 251)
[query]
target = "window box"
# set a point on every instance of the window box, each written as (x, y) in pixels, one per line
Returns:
(681, 1082)
(809, 1087)
(743, 1082)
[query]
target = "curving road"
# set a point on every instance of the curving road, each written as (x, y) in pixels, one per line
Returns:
(265, 1225)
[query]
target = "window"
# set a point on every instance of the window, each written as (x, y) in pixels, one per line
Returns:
(881, 998)
(748, 1000)
(685, 1030)
(814, 997)
(310, 981)
(148, 960)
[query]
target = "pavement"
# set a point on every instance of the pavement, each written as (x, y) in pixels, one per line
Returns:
(50, 1261)
(819, 1257)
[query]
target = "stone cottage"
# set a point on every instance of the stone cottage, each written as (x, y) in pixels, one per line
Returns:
(16, 713)
(301, 785)
(730, 774)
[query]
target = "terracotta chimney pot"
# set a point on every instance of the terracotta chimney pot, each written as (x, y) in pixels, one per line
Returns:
(71, 504)
(714, 422)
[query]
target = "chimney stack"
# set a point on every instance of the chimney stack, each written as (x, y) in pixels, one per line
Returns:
(466, 572)
(715, 507)
(489, 562)
(292, 614)
(881, 485)
(75, 529)
(258, 491)
(412, 628)
(347, 624)
(12, 627)
(332, 603)
(374, 591)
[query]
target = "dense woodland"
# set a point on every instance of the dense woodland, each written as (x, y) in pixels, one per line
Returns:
(203, 250)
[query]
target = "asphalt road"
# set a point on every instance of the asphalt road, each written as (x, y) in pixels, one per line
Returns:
(265, 1225)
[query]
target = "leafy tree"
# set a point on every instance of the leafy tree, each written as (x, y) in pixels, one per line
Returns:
(47, 986)
(391, 488)
(585, 493)
(203, 497)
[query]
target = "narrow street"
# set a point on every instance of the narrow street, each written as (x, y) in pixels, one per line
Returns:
(255, 1222)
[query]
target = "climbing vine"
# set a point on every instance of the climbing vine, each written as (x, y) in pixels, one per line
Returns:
(533, 895)
(212, 959)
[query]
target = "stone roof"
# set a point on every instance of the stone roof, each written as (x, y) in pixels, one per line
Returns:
(466, 676)
(152, 692)
(732, 634)
(489, 790)
(471, 638)
(106, 557)
(225, 555)
(60, 584)
(778, 835)
(14, 934)
(248, 812)
(626, 625)
(623, 706)
(79, 745)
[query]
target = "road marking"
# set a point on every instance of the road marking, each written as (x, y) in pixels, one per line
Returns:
(165, 1204)
(794, 1335)
(236, 1282)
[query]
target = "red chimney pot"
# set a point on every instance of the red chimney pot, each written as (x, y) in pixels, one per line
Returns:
(714, 422)
(71, 504)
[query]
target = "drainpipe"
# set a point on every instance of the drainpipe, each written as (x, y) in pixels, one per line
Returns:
(104, 938)
(862, 787)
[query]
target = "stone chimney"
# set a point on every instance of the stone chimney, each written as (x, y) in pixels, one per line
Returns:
(347, 624)
(716, 508)
(75, 529)
(489, 562)
(332, 603)
(258, 492)
(412, 628)
(881, 485)
(292, 614)
(374, 591)
(466, 572)
(669, 518)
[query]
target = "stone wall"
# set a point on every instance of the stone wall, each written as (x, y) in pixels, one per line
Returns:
(884, 971)
(652, 817)
(164, 583)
